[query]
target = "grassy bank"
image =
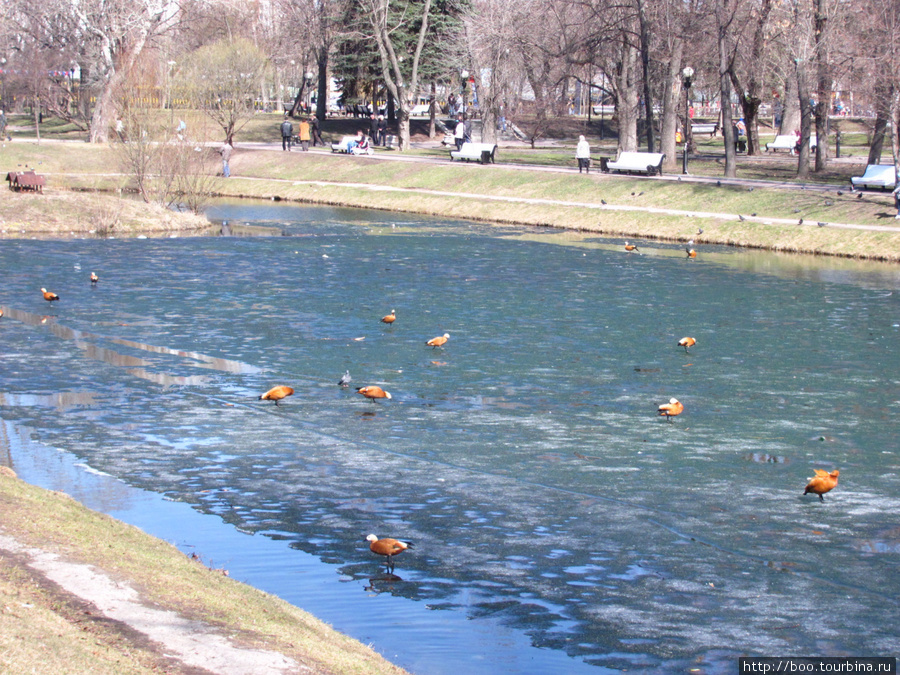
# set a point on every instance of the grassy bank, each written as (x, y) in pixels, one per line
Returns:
(39, 624)
(781, 219)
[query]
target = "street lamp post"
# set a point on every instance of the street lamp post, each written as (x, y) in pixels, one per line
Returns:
(464, 76)
(686, 80)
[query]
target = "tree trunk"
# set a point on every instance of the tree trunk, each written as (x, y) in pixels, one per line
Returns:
(671, 97)
(645, 69)
(105, 109)
(432, 105)
(750, 108)
(790, 116)
(322, 90)
(36, 109)
(805, 121)
(627, 98)
(823, 86)
(725, 98)
(884, 94)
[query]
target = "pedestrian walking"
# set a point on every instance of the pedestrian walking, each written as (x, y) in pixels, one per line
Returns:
(583, 155)
(303, 134)
(225, 151)
(3, 125)
(314, 128)
(287, 132)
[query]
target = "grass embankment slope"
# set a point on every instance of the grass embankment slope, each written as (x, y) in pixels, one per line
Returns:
(633, 208)
(43, 629)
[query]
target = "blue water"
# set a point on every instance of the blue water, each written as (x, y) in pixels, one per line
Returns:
(559, 524)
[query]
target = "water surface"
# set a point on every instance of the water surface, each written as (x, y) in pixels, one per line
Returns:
(559, 524)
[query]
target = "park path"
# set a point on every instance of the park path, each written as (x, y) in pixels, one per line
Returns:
(450, 194)
(197, 645)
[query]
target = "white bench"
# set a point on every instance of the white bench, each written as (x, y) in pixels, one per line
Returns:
(345, 142)
(483, 152)
(880, 175)
(704, 128)
(635, 162)
(788, 142)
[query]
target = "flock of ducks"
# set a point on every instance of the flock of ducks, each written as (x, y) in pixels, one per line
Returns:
(819, 484)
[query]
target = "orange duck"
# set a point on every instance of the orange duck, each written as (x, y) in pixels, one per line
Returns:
(276, 393)
(687, 342)
(387, 547)
(390, 318)
(48, 296)
(373, 392)
(822, 482)
(671, 409)
(438, 341)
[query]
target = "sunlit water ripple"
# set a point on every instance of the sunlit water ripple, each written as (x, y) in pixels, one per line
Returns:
(524, 458)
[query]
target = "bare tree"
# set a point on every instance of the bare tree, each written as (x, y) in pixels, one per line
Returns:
(400, 78)
(725, 20)
(222, 80)
(751, 65)
(115, 34)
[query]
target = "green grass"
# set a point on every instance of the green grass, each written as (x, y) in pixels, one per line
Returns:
(94, 166)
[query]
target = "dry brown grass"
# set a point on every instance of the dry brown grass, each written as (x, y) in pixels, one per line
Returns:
(63, 213)
(36, 622)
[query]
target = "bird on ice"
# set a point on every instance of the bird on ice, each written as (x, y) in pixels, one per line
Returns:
(387, 547)
(372, 391)
(691, 253)
(822, 482)
(94, 278)
(48, 296)
(276, 393)
(345, 379)
(438, 341)
(687, 342)
(671, 409)
(390, 318)
(630, 247)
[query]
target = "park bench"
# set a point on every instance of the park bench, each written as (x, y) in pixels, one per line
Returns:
(29, 181)
(788, 142)
(876, 175)
(635, 162)
(705, 128)
(483, 152)
(345, 141)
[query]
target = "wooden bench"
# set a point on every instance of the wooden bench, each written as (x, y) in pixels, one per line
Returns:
(788, 142)
(27, 181)
(705, 128)
(483, 152)
(876, 175)
(635, 162)
(345, 143)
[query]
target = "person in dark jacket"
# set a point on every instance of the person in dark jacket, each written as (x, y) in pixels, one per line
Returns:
(316, 136)
(287, 131)
(381, 138)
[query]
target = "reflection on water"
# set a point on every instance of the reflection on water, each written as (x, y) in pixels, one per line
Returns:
(524, 458)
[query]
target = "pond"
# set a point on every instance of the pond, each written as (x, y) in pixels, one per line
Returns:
(559, 524)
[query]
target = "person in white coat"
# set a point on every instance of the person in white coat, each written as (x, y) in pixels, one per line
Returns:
(459, 133)
(583, 155)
